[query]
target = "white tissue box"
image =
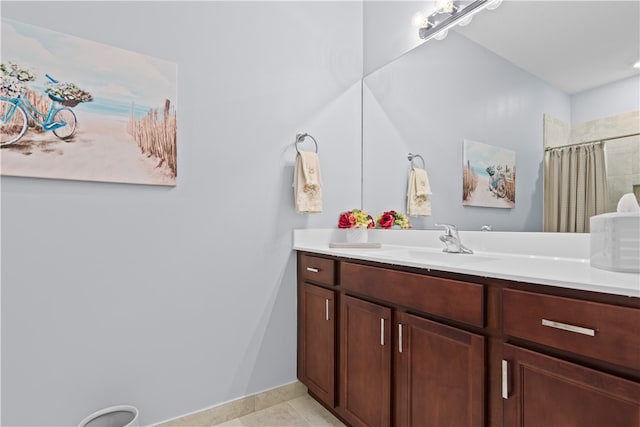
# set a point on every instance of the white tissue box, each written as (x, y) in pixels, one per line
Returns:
(615, 241)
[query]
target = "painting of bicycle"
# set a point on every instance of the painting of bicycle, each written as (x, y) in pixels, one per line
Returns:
(488, 176)
(72, 108)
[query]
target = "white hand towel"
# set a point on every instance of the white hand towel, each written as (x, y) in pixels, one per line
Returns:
(418, 203)
(307, 185)
(422, 182)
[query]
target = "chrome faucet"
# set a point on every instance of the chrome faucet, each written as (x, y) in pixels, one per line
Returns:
(451, 239)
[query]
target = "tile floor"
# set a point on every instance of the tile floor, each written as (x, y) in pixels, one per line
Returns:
(302, 411)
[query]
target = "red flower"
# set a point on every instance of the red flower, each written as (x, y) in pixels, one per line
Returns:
(386, 220)
(390, 219)
(346, 220)
(355, 218)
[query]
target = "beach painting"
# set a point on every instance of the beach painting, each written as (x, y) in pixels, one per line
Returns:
(94, 112)
(488, 176)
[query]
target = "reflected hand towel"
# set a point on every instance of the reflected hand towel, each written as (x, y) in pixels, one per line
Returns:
(418, 203)
(307, 185)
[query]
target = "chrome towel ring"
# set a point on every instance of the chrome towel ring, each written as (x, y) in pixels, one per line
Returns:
(300, 138)
(411, 157)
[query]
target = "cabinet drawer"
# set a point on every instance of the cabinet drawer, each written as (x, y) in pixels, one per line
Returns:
(316, 269)
(601, 331)
(452, 299)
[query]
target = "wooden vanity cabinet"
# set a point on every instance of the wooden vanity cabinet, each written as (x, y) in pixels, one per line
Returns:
(437, 369)
(408, 348)
(544, 390)
(317, 327)
(365, 363)
(439, 374)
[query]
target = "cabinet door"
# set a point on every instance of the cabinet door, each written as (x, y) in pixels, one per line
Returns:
(545, 391)
(440, 375)
(365, 363)
(316, 368)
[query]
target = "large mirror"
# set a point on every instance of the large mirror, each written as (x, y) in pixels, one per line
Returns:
(503, 80)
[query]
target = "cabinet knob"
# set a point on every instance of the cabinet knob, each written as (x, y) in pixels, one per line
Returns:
(382, 331)
(313, 270)
(399, 337)
(326, 309)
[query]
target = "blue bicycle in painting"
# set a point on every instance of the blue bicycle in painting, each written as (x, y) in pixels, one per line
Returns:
(16, 111)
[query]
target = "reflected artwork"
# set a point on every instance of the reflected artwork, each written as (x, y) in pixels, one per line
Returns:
(488, 176)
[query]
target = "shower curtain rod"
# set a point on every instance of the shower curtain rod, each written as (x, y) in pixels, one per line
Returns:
(591, 142)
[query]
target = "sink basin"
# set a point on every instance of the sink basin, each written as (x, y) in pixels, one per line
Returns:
(432, 255)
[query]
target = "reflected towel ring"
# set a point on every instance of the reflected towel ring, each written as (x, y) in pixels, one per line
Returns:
(413, 156)
(300, 138)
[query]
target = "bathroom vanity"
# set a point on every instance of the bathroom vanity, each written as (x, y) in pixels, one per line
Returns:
(408, 336)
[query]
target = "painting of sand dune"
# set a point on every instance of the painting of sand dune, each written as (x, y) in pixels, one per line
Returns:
(488, 176)
(126, 129)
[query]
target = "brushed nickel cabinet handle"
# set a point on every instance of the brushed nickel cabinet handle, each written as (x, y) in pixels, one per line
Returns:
(326, 309)
(382, 331)
(313, 270)
(505, 379)
(570, 328)
(399, 337)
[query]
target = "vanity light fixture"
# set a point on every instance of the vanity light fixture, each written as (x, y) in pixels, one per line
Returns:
(494, 4)
(447, 14)
(441, 35)
(636, 65)
(464, 22)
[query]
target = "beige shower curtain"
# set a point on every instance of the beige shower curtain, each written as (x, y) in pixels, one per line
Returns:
(575, 187)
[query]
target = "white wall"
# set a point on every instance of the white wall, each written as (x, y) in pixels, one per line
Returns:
(429, 101)
(176, 299)
(389, 31)
(607, 100)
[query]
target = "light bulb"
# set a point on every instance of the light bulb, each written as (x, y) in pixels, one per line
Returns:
(419, 20)
(441, 35)
(636, 65)
(494, 4)
(464, 22)
(444, 6)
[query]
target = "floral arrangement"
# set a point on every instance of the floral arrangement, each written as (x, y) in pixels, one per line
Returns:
(391, 218)
(355, 218)
(68, 92)
(13, 79)
(10, 86)
(14, 70)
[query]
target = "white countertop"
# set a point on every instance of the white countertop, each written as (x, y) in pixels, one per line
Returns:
(556, 259)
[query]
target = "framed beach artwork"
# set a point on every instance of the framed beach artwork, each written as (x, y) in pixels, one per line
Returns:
(75, 109)
(488, 176)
